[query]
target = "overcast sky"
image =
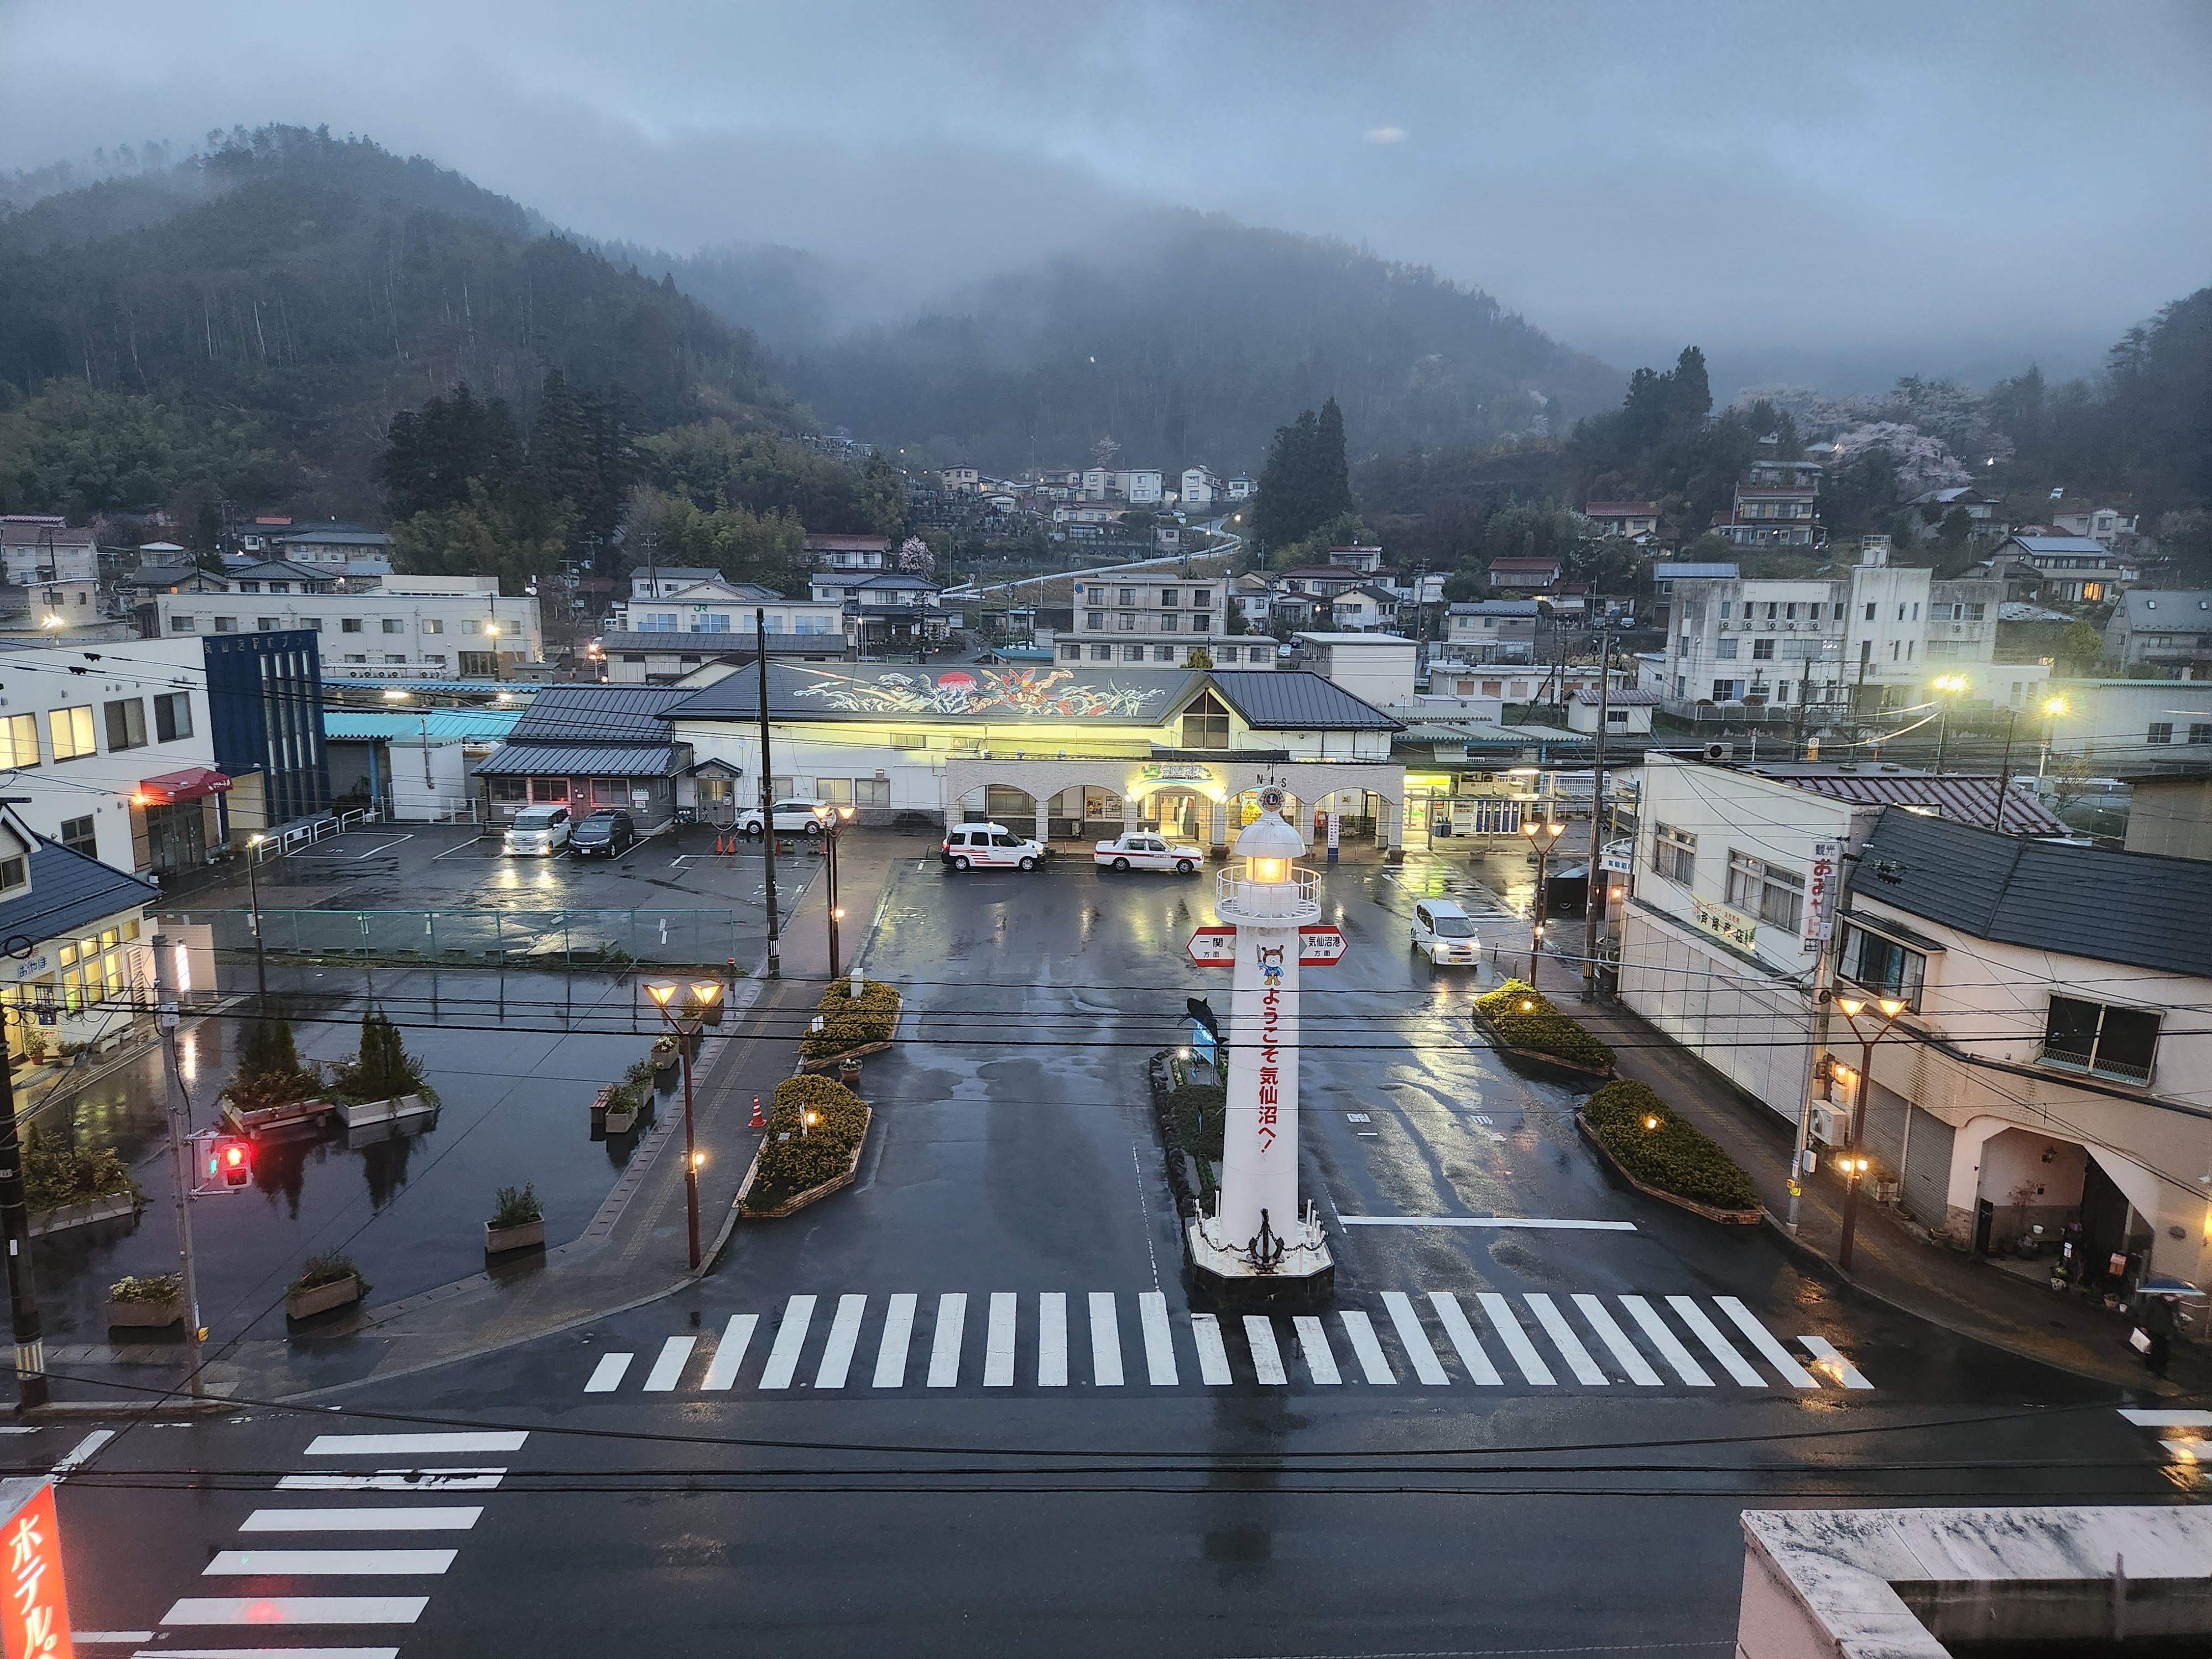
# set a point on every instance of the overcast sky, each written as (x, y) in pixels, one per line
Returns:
(1823, 193)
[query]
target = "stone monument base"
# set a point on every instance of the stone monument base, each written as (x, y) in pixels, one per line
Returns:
(1225, 1280)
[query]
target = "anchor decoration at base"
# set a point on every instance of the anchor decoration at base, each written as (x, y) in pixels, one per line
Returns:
(1264, 1252)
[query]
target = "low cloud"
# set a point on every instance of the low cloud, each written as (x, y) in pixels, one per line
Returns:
(1384, 135)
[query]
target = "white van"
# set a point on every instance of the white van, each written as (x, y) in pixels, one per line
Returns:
(538, 832)
(991, 846)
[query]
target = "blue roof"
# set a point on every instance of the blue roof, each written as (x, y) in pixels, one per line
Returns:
(2061, 544)
(1696, 570)
(401, 725)
(68, 890)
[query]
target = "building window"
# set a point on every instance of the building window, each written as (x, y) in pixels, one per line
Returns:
(312, 624)
(838, 792)
(550, 790)
(509, 792)
(434, 625)
(1167, 597)
(79, 835)
(473, 663)
(13, 874)
(183, 625)
(357, 656)
(1726, 652)
(126, 723)
(1133, 653)
(1674, 852)
(394, 625)
(1883, 966)
(226, 624)
(2160, 731)
(909, 740)
(395, 656)
(871, 792)
(1870, 611)
(1163, 653)
(1723, 691)
(71, 731)
(1765, 890)
(19, 740)
(350, 625)
(1202, 600)
(1070, 651)
(1727, 607)
(433, 659)
(267, 624)
(1977, 612)
(1128, 596)
(2098, 1038)
(249, 587)
(2200, 731)
(1761, 650)
(1102, 654)
(1206, 724)
(1167, 624)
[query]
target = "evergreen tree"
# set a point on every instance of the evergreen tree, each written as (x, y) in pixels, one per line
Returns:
(1306, 483)
(431, 453)
(384, 1070)
(1332, 471)
(270, 1073)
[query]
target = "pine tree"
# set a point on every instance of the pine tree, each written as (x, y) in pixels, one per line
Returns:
(1332, 479)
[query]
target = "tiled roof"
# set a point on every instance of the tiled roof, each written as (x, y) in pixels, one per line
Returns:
(1621, 510)
(556, 760)
(599, 714)
(1692, 570)
(68, 890)
(1588, 697)
(1493, 608)
(38, 534)
(2060, 544)
(1962, 798)
(1296, 700)
(2133, 908)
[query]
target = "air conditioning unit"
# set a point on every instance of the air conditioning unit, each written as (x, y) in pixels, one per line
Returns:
(1830, 1125)
(1720, 752)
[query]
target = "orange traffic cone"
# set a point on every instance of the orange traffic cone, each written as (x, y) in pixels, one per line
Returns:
(758, 1122)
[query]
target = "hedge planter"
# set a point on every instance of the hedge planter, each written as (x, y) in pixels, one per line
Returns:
(798, 1200)
(525, 1236)
(1729, 1217)
(851, 1027)
(817, 1129)
(1534, 1036)
(107, 1207)
(1662, 1155)
(321, 1298)
(621, 1117)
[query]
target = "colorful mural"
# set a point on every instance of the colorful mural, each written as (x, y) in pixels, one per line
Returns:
(1038, 693)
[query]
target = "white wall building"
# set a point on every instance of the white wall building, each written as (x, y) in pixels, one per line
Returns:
(432, 626)
(1201, 489)
(2124, 723)
(1156, 621)
(1376, 668)
(39, 550)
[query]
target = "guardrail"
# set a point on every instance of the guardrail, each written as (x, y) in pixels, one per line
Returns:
(288, 839)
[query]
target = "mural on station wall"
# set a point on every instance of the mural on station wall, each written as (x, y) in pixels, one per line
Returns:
(1038, 693)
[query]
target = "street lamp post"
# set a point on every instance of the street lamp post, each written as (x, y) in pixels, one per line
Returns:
(704, 994)
(1854, 1165)
(844, 816)
(2052, 708)
(1945, 686)
(1543, 837)
(260, 951)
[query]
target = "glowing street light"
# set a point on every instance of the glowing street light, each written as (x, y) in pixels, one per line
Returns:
(1543, 837)
(1852, 1008)
(706, 996)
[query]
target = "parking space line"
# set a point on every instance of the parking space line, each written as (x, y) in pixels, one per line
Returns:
(374, 851)
(464, 847)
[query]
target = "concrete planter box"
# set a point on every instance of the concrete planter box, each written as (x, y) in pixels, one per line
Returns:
(306, 1304)
(145, 1316)
(620, 1120)
(665, 1061)
(531, 1235)
(370, 1113)
(799, 1201)
(110, 1207)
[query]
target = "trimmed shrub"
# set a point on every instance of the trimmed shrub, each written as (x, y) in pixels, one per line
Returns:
(1526, 1018)
(1675, 1157)
(849, 1022)
(813, 1127)
(1200, 1112)
(327, 1268)
(154, 1287)
(54, 1174)
(383, 1070)
(516, 1208)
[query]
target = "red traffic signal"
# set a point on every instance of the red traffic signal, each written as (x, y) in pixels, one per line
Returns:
(231, 1161)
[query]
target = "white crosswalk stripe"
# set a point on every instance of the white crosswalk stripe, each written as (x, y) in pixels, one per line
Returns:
(1433, 1339)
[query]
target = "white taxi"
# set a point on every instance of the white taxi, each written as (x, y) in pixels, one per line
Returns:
(1145, 849)
(991, 846)
(1444, 933)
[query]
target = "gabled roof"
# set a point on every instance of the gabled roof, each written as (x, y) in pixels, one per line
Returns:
(68, 890)
(676, 572)
(2164, 608)
(278, 570)
(556, 760)
(337, 535)
(38, 534)
(1529, 566)
(894, 579)
(2059, 544)
(1297, 700)
(598, 714)
(714, 588)
(1339, 572)
(2133, 907)
(1494, 608)
(168, 575)
(1379, 595)
(848, 543)
(1960, 798)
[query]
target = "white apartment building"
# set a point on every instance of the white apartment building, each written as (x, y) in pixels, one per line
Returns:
(1754, 646)
(400, 626)
(41, 551)
(721, 608)
(2124, 725)
(1240, 488)
(1201, 489)
(1157, 621)
(1139, 486)
(665, 582)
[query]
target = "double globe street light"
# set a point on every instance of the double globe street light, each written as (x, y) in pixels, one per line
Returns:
(1854, 1165)
(706, 998)
(1543, 837)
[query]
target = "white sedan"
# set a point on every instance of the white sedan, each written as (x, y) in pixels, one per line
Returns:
(1444, 933)
(1142, 849)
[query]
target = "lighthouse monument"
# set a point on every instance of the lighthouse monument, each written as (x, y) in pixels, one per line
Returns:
(1262, 1248)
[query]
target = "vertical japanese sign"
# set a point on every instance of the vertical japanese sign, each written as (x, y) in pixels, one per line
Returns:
(35, 1625)
(1335, 825)
(1271, 1037)
(1820, 893)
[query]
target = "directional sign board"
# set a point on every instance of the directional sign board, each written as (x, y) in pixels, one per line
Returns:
(1319, 946)
(1213, 947)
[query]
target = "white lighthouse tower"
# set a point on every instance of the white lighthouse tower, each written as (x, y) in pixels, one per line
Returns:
(1261, 1248)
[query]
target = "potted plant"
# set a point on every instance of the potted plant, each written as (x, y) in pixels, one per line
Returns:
(848, 1070)
(327, 1281)
(517, 1222)
(385, 1083)
(154, 1302)
(666, 1054)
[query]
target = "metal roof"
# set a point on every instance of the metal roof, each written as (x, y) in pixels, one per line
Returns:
(1696, 570)
(397, 725)
(1297, 700)
(68, 890)
(934, 693)
(599, 714)
(1493, 608)
(599, 760)
(1963, 799)
(2135, 907)
(1618, 698)
(2060, 544)
(2155, 607)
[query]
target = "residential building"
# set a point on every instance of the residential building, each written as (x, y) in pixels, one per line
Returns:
(1201, 489)
(1376, 668)
(1627, 712)
(665, 582)
(1070, 753)
(2172, 815)
(1320, 581)
(2104, 525)
(892, 612)
(1241, 489)
(411, 765)
(41, 551)
(966, 479)
(80, 953)
(332, 543)
(2051, 1069)
(627, 659)
(258, 539)
(1933, 509)
(1533, 575)
(2160, 625)
(1139, 486)
(2118, 725)
(586, 746)
(1368, 609)
(717, 607)
(1719, 940)
(850, 553)
(1158, 621)
(1666, 573)
(1491, 630)
(2068, 569)
(1774, 646)
(1365, 559)
(1637, 520)
(393, 629)
(1251, 594)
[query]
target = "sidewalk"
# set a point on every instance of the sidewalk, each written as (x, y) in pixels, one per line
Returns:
(1889, 1263)
(632, 1251)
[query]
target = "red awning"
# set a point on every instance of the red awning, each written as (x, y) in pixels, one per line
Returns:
(193, 783)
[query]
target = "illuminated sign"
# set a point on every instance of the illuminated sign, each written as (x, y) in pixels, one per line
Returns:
(1178, 770)
(1733, 926)
(35, 1625)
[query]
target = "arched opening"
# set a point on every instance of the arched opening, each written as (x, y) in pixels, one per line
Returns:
(1004, 804)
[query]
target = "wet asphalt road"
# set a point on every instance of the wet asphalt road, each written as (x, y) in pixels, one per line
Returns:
(731, 1467)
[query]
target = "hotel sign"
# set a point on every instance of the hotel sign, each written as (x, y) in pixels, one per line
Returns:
(1737, 928)
(36, 1618)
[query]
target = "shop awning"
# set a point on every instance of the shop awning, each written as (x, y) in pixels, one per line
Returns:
(193, 783)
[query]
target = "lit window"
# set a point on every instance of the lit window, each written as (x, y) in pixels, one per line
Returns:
(70, 732)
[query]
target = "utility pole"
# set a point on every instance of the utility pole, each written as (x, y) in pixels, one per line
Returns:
(767, 798)
(2004, 771)
(180, 1153)
(15, 1223)
(1591, 886)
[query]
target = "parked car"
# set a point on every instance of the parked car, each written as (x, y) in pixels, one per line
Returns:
(802, 815)
(1146, 849)
(991, 846)
(1444, 933)
(606, 834)
(538, 832)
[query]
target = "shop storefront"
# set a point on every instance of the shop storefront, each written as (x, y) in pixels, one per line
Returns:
(178, 818)
(75, 963)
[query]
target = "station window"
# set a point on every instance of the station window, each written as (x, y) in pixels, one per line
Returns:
(1205, 723)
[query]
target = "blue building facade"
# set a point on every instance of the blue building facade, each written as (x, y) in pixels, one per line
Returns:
(265, 707)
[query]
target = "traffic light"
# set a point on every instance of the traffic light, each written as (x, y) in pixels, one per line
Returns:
(231, 1161)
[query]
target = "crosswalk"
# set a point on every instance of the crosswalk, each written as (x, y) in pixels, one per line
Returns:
(323, 1569)
(856, 1344)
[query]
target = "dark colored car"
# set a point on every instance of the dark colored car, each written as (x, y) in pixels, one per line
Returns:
(606, 834)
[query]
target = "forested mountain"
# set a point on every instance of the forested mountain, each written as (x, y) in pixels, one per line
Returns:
(297, 290)
(1191, 343)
